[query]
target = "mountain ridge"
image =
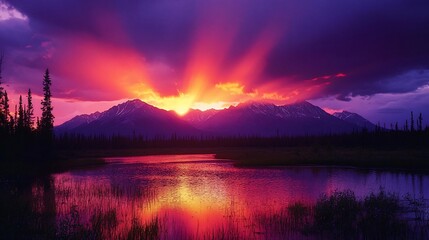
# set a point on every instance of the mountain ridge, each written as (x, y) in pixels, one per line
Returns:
(135, 117)
(266, 119)
(355, 118)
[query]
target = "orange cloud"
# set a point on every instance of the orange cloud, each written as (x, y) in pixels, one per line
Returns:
(93, 65)
(118, 73)
(233, 88)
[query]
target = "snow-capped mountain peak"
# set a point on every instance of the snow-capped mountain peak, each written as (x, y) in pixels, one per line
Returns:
(355, 119)
(256, 107)
(131, 106)
(295, 110)
(196, 116)
(246, 119)
(133, 117)
(344, 115)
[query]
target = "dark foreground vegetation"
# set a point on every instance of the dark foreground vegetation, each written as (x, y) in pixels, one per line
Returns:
(28, 145)
(37, 209)
(386, 149)
(342, 215)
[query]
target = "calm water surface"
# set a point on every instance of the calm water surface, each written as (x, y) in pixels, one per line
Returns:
(193, 194)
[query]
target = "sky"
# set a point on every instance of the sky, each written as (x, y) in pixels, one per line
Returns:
(369, 57)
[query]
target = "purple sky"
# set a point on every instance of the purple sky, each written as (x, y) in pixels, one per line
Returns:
(369, 57)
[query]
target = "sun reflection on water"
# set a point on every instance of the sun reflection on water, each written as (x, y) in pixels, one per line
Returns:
(197, 195)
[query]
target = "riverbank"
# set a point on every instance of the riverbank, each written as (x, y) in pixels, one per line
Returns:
(387, 158)
(412, 159)
(62, 161)
(408, 159)
(39, 167)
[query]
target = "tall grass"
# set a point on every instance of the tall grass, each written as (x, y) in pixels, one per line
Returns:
(343, 216)
(80, 210)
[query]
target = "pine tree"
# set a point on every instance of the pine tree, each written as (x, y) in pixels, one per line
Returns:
(406, 126)
(6, 107)
(47, 120)
(29, 112)
(38, 124)
(24, 108)
(15, 119)
(412, 122)
(420, 122)
(3, 116)
(21, 117)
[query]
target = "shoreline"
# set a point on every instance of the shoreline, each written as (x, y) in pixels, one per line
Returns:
(403, 160)
(416, 160)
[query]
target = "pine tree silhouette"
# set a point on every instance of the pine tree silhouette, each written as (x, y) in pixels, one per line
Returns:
(29, 124)
(15, 119)
(47, 120)
(3, 116)
(20, 122)
(6, 111)
(420, 122)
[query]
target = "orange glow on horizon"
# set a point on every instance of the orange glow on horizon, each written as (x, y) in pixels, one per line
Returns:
(206, 81)
(204, 94)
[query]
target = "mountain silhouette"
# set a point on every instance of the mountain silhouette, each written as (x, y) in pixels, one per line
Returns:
(355, 119)
(133, 117)
(136, 117)
(266, 119)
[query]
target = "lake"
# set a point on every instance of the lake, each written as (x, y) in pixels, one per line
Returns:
(195, 194)
(198, 196)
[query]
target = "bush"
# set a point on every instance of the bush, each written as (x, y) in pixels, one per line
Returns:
(337, 215)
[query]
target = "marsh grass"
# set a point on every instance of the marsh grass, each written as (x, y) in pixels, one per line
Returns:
(65, 209)
(341, 215)
(337, 215)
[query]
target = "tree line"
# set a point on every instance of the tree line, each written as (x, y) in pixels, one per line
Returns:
(409, 126)
(21, 134)
(410, 135)
(378, 139)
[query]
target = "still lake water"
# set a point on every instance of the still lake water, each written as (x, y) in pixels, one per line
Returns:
(192, 195)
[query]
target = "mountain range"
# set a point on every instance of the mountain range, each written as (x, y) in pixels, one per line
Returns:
(136, 117)
(355, 119)
(131, 118)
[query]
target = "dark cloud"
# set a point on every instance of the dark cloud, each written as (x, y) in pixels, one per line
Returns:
(379, 45)
(372, 46)
(345, 98)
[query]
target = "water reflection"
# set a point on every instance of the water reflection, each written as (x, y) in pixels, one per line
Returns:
(188, 196)
(194, 193)
(27, 208)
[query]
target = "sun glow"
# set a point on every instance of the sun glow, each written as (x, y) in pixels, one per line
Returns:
(203, 93)
(214, 75)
